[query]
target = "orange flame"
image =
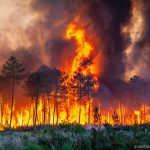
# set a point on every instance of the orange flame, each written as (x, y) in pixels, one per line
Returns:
(68, 110)
(84, 50)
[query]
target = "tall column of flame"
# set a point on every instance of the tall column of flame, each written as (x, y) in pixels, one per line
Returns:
(84, 52)
(84, 49)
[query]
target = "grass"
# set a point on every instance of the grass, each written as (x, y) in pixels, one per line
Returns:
(75, 137)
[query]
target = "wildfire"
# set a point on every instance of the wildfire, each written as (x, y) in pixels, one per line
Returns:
(69, 114)
(68, 110)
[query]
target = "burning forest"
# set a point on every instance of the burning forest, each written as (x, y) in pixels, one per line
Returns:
(74, 62)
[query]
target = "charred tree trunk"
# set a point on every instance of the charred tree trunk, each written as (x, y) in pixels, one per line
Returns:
(44, 111)
(30, 112)
(67, 110)
(2, 104)
(12, 101)
(54, 111)
(36, 109)
(33, 117)
(89, 109)
(21, 117)
(57, 110)
(120, 112)
(79, 105)
(144, 115)
(49, 112)
(79, 110)
(100, 118)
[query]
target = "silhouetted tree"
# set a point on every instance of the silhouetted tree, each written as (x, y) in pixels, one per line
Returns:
(59, 89)
(35, 87)
(78, 86)
(89, 88)
(3, 91)
(49, 82)
(14, 71)
(47, 88)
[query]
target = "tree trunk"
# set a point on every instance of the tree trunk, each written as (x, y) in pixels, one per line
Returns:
(36, 107)
(30, 112)
(2, 111)
(79, 110)
(49, 112)
(79, 105)
(120, 106)
(57, 110)
(33, 117)
(144, 119)
(12, 101)
(100, 113)
(44, 111)
(68, 106)
(21, 117)
(89, 109)
(54, 111)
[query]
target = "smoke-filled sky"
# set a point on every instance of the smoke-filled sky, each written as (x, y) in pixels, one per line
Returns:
(33, 31)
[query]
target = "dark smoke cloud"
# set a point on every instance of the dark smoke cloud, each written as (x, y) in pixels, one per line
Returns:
(46, 34)
(103, 17)
(60, 51)
(107, 17)
(28, 58)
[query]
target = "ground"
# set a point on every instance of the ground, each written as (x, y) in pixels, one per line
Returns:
(76, 137)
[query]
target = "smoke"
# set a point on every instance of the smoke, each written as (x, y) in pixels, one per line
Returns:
(108, 16)
(34, 31)
(40, 26)
(137, 30)
(60, 52)
(28, 58)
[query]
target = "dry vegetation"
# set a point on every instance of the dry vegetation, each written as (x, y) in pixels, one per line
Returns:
(75, 137)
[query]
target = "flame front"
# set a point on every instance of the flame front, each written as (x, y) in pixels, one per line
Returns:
(68, 110)
(68, 113)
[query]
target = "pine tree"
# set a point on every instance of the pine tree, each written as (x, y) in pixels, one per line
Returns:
(35, 87)
(59, 89)
(78, 86)
(89, 87)
(13, 71)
